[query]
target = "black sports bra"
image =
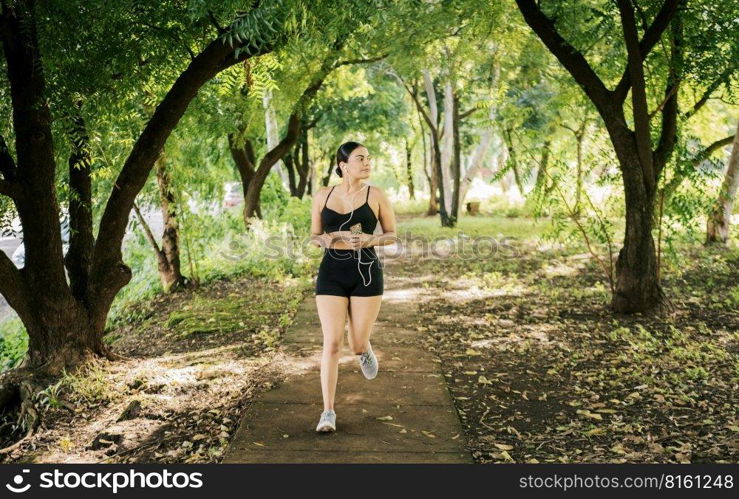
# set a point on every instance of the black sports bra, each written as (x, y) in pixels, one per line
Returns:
(334, 221)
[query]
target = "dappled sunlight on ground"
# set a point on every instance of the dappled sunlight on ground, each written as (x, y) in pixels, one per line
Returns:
(171, 402)
(541, 370)
(543, 335)
(560, 269)
(140, 398)
(402, 295)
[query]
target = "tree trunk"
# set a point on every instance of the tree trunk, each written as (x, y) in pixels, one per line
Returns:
(719, 219)
(580, 137)
(168, 255)
(244, 159)
(446, 136)
(81, 241)
(310, 162)
(409, 170)
(62, 335)
(456, 164)
(438, 176)
(431, 210)
(514, 161)
(541, 185)
(437, 160)
(330, 170)
(170, 272)
(65, 321)
(294, 127)
(637, 273)
(433, 207)
(305, 167)
(302, 162)
(288, 161)
(431, 119)
(108, 272)
(637, 286)
(61, 326)
(273, 131)
(251, 198)
(150, 237)
(297, 165)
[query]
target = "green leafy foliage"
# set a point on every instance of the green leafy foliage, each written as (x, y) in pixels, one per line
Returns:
(13, 343)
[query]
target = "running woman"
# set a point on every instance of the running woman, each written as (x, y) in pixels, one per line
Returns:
(350, 278)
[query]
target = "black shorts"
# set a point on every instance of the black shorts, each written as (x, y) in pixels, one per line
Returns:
(339, 273)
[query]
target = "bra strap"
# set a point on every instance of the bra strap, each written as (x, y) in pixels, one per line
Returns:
(368, 187)
(332, 190)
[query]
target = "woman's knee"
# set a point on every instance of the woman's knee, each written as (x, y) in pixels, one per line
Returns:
(332, 347)
(359, 347)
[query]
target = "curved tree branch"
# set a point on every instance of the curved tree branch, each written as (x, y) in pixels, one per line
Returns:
(107, 253)
(7, 164)
(642, 133)
(568, 55)
(709, 91)
(647, 42)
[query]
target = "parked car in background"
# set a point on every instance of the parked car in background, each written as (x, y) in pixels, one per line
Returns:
(19, 255)
(234, 194)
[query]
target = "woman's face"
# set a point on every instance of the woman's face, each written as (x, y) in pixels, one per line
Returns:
(359, 163)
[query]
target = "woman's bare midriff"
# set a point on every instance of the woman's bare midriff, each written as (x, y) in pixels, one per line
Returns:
(340, 240)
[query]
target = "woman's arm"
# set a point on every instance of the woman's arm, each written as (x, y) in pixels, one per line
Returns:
(386, 217)
(318, 237)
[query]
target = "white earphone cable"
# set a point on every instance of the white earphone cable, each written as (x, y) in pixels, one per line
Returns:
(359, 251)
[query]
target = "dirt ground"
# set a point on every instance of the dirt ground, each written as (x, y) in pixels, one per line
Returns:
(196, 361)
(542, 371)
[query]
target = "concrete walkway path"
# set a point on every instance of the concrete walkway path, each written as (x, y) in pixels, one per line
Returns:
(404, 415)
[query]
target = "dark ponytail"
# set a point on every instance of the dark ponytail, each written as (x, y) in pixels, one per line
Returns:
(343, 153)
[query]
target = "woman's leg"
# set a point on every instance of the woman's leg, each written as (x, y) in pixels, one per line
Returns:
(332, 311)
(363, 311)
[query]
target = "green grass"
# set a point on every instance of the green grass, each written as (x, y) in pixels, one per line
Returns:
(13, 343)
(220, 249)
(474, 226)
(232, 313)
(492, 206)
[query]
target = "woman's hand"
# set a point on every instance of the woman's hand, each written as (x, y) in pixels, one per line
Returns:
(362, 240)
(328, 239)
(322, 240)
(353, 241)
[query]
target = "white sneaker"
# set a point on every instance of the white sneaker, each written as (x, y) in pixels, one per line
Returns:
(327, 422)
(368, 363)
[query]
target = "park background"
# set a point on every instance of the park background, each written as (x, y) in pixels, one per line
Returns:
(159, 159)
